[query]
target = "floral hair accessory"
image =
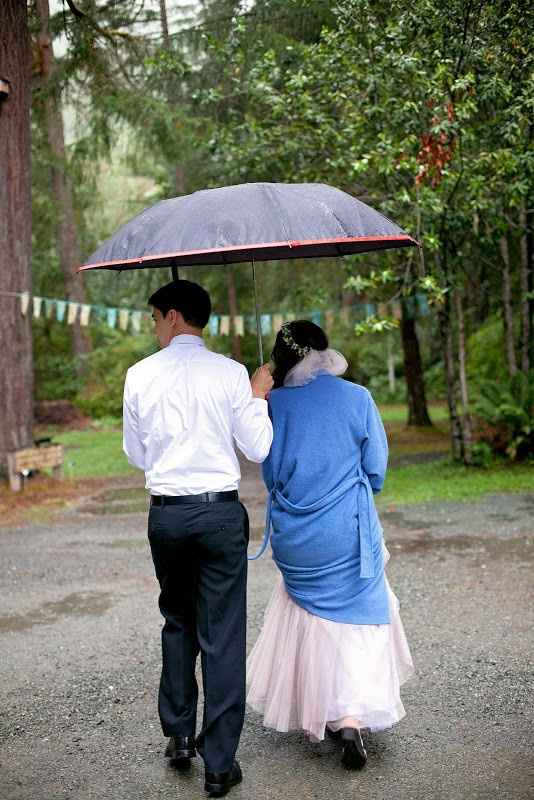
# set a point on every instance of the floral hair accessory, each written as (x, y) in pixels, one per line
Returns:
(285, 330)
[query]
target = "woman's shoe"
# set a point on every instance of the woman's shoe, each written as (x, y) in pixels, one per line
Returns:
(333, 734)
(353, 755)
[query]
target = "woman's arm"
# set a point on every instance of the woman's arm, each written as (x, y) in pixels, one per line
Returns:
(267, 465)
(374, 447)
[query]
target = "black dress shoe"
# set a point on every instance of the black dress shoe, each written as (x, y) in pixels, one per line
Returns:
(333, 734)
(218, 784)
(353, 755)
(180, 750)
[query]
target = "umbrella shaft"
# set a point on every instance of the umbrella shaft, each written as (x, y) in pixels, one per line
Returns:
(258, 326)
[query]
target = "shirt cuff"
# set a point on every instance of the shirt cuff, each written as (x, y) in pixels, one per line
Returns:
(263, 403)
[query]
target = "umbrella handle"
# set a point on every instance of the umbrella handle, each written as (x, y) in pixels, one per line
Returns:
(258, 326)
(175, 274)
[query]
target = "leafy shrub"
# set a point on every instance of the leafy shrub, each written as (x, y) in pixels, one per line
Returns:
(482, 455)
(55, 374)
(485, 352)
(506, 415)
(101, 395)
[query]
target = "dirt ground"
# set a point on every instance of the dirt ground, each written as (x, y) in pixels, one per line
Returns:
(79, 631)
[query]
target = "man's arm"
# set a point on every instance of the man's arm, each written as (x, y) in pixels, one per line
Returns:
(252, 428)
(131, 443)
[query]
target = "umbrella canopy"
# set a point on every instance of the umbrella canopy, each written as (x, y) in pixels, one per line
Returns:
(249, 222)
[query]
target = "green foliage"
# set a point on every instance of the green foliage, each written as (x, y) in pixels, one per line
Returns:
(485, 352)
(423, 110)
(55, 374)
(509, 409)
(115, 352)
(375, 324)
(482, 455)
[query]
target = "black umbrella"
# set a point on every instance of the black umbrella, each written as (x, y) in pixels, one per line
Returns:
(249, 222)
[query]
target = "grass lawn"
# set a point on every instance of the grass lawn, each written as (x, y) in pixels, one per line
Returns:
(397, 412)
(443, 480)
(97, 452)
(94, 453)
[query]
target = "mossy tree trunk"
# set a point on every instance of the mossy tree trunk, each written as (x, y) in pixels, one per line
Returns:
(68, 243)
(16, 381)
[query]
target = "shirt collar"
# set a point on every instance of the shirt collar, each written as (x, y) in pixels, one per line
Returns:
(188, 338)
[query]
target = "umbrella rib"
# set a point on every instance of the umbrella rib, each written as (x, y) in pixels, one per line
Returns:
(274, 194)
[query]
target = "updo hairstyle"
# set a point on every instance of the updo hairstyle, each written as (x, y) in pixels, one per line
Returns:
(293, 342)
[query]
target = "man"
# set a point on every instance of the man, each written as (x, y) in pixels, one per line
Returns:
(184, 407)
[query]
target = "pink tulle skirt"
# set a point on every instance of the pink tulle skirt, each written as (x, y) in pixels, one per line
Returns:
(305, 671)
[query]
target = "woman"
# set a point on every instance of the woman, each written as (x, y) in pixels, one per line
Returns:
(332, 652)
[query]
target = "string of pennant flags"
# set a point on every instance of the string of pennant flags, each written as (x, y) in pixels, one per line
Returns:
(70, 312)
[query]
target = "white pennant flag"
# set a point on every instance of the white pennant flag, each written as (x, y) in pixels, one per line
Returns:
(136, 321)
(224, 327)
(278, 321)
(72, 313)
(85, 313)
(37, 303)
(24, 303)
(124, 315)
(239, 325)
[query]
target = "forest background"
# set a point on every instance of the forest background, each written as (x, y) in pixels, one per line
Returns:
(424, 111)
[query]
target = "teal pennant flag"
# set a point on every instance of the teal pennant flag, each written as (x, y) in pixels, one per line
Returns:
(421, 303)
(265, 324)
(214, 325)
(111, 314)
(61, 307)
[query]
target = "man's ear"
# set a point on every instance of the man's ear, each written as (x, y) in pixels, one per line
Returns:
(174, 317)
(180, 321)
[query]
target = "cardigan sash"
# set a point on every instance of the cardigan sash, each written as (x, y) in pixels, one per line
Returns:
(364, 506)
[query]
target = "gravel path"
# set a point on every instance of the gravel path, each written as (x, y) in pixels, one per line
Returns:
(80, 663)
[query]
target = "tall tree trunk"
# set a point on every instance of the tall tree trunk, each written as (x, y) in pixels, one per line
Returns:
(67, 229)
(525, 317)
(16, 381)
(413, 370)
(179, 174)
(391, 364)
(232, 305)
(464, 396)
(530, 268)
(445, 329)
(507, 308)
(164, 24)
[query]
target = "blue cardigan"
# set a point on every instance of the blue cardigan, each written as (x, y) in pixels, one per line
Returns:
(328, 457)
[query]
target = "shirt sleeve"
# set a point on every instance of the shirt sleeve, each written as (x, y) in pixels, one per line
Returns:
(252, 429)
(374, 448)
(131, 442)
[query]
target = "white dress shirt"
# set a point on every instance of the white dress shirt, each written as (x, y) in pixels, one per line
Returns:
(183, 409)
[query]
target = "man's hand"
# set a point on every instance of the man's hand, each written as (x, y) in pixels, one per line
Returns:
(261, 382)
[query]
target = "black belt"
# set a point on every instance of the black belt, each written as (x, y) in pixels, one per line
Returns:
(205, 497)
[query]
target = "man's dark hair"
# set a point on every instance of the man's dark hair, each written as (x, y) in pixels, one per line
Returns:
(304, 334)
(190, 299)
